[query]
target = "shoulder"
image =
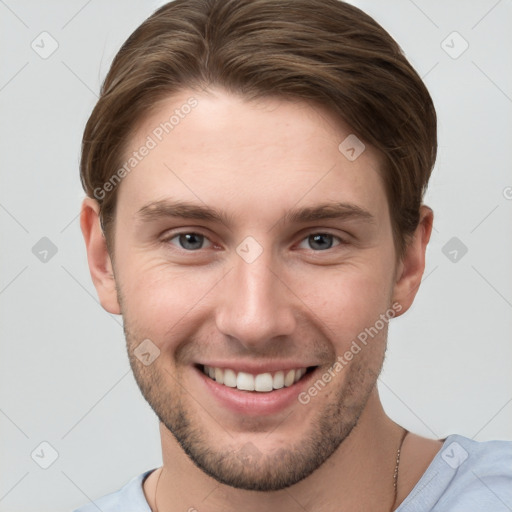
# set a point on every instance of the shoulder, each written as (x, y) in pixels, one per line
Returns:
(479, 459)
(130, 498)
(465, 475)
(479, 467)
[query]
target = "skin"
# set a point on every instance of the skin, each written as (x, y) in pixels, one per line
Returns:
(257, 161)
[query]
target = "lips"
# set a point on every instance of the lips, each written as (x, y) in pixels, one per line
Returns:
(246, 400)
(263, 382)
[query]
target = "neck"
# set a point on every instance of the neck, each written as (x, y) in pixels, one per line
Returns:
(358, 476)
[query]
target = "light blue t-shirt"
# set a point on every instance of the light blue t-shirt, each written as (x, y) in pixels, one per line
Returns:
(465, 476)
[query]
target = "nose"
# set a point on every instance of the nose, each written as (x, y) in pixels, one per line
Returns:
(256, 306)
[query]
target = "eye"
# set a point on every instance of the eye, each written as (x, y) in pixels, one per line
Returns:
(321, 241)
(189, 241)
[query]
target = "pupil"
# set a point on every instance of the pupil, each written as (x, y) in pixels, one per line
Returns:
(319, 241)
(191, 241)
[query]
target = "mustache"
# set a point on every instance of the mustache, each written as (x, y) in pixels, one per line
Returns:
(189, 349)
(221, 347)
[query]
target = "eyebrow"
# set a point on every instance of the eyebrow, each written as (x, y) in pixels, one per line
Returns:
(337, 211)
(180, 209)
(184, 210)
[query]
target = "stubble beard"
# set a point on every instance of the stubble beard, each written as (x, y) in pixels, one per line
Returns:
(243, 465)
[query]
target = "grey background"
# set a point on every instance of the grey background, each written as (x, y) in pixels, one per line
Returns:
(64, 373)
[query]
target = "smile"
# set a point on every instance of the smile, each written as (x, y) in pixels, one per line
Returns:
(262, 382)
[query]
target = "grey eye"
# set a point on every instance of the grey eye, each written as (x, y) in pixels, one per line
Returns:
(189, 241)
(320, 241)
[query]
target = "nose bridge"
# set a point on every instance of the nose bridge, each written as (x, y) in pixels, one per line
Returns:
(255, 307)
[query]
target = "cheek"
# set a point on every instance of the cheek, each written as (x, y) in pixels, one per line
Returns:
(160, 300)
(349, 299)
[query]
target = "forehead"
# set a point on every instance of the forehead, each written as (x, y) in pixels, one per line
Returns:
(220, 150)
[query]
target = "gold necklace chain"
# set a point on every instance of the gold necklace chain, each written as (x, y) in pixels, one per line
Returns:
(395, 474)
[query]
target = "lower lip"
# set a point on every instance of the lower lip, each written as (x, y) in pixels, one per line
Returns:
(254, 403)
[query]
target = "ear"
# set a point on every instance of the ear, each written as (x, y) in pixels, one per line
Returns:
(100, 264)
(411, 266)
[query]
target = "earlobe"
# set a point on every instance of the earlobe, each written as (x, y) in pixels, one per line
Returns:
(100, 264)
(412, 265)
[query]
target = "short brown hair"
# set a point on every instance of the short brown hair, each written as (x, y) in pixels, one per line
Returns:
(322, 51)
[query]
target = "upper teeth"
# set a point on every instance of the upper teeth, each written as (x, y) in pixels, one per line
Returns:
(247, 382)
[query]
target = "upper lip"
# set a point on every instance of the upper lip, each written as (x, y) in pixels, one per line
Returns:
(256, 368)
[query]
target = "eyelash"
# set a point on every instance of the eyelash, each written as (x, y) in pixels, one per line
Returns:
(168, 240)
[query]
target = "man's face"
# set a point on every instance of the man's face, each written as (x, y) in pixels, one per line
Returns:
(271, 286)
